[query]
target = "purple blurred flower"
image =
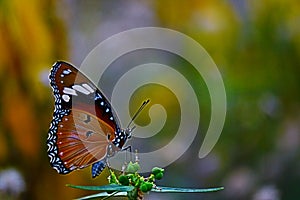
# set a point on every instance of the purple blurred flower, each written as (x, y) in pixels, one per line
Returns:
(11, 182)
(268, 192)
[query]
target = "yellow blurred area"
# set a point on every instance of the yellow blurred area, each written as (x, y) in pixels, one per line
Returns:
(31, 39)
(22, 123)
(30, 34)
(27, 48)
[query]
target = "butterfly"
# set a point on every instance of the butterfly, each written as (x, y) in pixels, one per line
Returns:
(84, 130)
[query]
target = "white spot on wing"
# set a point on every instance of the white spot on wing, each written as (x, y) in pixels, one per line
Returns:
(69, 91)
(99, 96)
(67, 71)
(81, 89)
(66, 97)
(88, 87)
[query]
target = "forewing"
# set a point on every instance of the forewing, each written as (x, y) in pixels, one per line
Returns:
(83, 122)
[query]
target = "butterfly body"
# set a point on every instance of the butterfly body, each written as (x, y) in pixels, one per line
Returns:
(85, 129)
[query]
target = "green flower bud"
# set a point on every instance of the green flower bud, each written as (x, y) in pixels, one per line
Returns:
(149, 185)
(133, 167)
(157, 170)
(124, 180)
(159, 176)
(146, 187)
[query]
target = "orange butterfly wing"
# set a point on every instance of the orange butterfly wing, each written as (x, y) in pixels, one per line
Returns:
(83, 125)
(84, 142)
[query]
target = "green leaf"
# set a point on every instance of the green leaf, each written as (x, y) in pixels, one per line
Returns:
(113, 178)
(188, 190)
(111, 187)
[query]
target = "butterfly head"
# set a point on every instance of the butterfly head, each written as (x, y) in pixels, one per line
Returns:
(122, 135)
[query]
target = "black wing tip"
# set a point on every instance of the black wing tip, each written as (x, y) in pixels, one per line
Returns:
(59, 62)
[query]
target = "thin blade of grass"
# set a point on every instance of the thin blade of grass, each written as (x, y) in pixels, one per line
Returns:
(185, 190)
(111, 187)
(103, 194)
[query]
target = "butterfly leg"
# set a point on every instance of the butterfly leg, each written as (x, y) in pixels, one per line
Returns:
(128, 148)
(98, 167)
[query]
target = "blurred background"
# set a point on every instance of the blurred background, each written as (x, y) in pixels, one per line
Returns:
(255, 44)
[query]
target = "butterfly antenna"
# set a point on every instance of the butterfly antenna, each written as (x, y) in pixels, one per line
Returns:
(138, 112)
